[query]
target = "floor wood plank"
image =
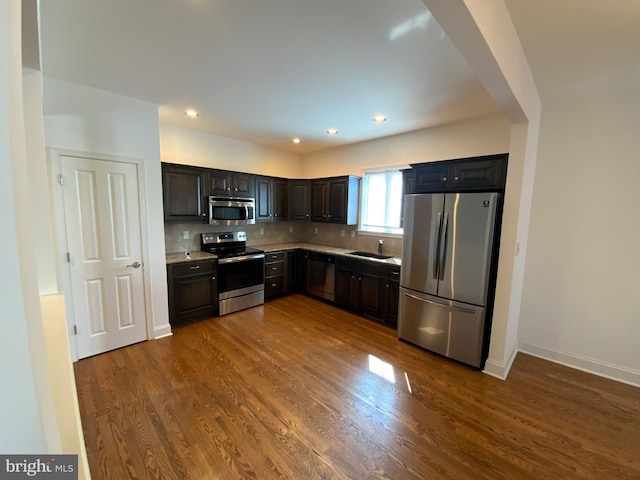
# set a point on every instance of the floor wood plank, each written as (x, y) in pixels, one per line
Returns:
(299, 389)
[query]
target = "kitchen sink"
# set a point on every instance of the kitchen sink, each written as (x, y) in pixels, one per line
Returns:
(370, 255)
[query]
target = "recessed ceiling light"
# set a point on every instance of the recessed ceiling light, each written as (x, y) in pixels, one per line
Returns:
(191, 114)
(332, 131)
(296, 140)
(380, 118)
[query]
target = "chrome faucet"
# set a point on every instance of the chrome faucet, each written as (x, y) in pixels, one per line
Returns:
(380, 243)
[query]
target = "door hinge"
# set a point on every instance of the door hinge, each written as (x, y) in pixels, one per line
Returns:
(61, 179)
(75, 329)
(68, 257)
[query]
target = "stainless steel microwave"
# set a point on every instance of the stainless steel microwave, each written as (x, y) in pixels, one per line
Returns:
(232, 211)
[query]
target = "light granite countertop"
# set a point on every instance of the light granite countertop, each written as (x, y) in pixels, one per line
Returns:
(312, 247)
(195, 256)
(344, 252)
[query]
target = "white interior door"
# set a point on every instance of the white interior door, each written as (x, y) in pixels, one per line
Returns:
(102, 220)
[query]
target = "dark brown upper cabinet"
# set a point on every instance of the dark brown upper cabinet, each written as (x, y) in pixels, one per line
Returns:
(183, 193)
(335, 200)
(462, 175)
(223, 183)
(300, 200)
(271, 199)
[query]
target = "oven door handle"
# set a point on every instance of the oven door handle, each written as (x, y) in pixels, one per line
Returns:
(243, 258)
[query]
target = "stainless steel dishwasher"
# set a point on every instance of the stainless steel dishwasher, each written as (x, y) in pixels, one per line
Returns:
(321, 272)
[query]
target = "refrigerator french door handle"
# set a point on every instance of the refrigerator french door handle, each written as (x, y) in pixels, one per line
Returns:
(436, 253)
(450, 307)
(444, 232)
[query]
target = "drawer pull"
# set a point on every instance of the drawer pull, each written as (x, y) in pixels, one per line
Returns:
(195, 268)
(274, 268)
(274, 284)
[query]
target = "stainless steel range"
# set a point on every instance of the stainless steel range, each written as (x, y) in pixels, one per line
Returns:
(240, 270)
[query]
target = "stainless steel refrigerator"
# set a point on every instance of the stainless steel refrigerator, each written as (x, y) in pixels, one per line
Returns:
(447, 274)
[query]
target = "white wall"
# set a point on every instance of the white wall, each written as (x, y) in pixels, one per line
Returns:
(40, 183)
(581, 303)
(26, 406)
(88, 120)
(481, 136)
(192, 147)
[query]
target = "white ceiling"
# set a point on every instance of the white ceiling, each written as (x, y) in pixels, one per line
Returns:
(269, 70)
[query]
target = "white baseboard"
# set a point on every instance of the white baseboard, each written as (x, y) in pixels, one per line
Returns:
(586, 364)
(162, 331)
(498, 369)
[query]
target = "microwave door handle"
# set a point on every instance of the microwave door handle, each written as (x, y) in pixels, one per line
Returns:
(246, 212)
(436, 253)
(445, 232)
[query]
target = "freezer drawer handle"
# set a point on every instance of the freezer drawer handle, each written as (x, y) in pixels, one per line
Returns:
(460, 309)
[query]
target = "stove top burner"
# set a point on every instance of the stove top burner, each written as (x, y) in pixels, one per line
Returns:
(227, 244)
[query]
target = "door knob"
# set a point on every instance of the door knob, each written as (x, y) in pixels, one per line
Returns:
(134, 265)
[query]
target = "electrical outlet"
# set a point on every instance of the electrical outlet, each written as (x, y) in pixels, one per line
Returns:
(353, 234)
(290, 229)
(185, 234)
(316, 230)
(261, 231)
(342, 233)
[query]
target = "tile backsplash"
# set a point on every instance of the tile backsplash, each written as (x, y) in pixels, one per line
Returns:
(281, 232)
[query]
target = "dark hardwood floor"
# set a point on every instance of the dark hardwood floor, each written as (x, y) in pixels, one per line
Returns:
(299, 389)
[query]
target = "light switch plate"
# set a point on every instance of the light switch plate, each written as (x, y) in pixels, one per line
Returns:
(185, 234)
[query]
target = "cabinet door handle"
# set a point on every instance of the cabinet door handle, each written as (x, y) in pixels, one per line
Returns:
(387, 285)
(274, 284)
(197, 267)
(395, 273)
(444, 179)
(456, 178)
(274, 268)
(213, 278)
(203, 215)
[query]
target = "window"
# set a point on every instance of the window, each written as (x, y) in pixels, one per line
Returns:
(381, 201)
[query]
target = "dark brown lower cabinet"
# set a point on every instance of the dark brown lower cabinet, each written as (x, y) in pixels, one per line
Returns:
(392, 296)
(371, 278)
(300, 271)
(368, 288)
(193, 291)
(276, 273)
(347, 285)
